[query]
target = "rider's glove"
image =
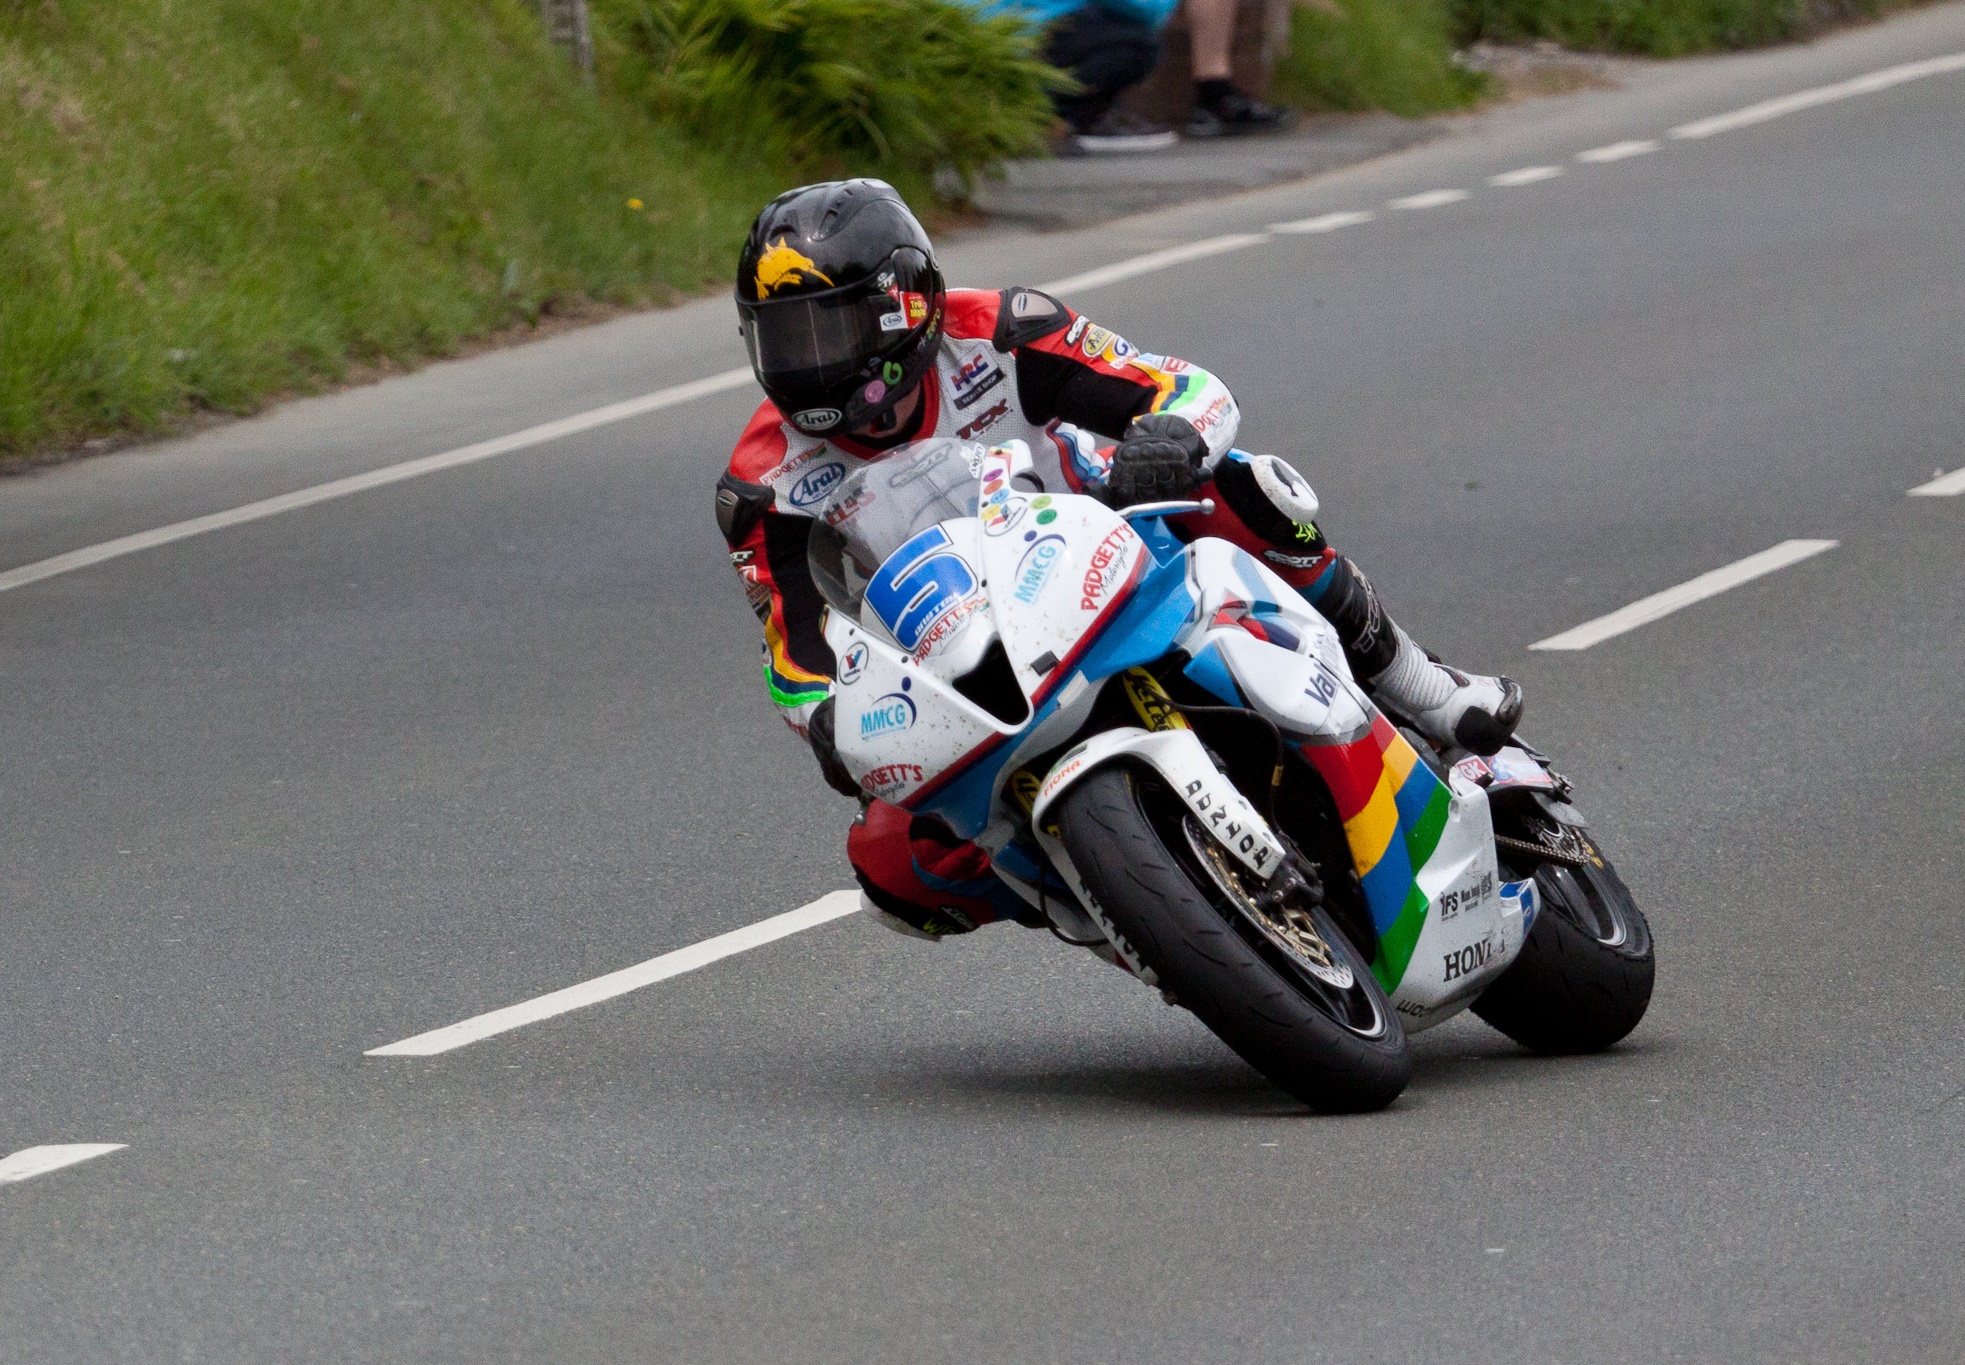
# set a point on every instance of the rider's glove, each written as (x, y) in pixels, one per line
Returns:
(1159, 459)
(818, 731)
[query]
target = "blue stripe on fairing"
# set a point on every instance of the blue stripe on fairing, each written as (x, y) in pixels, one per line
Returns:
(1209, 670)
(1145, 627)
(1415, 793)
(963, 805)
(1143, 630)
(1388, 883)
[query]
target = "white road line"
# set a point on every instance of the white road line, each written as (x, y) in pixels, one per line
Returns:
(1821, 94)
(1325, 222)
(1527, 175)
(375, 478)
(1618, 151)
(837, 905)
(1660, 604)
(1432, 199)
(1152, 261)
(1944, 486)
(29, 1162)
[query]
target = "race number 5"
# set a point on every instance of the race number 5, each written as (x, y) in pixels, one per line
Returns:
(918, 583)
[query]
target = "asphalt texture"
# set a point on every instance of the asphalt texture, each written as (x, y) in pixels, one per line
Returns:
(277, 795)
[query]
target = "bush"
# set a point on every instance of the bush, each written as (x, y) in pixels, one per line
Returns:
(898, 87)
(1395, 55)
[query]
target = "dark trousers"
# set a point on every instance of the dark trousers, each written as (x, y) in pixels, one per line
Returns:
(1105, 53)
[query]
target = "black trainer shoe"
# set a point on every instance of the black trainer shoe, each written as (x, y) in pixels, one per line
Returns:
(1237, 115)
(1118, 130)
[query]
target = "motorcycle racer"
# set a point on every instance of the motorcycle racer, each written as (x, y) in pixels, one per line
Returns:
(860, 347)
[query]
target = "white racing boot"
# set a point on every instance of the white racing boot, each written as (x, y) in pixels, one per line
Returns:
(1449, 707)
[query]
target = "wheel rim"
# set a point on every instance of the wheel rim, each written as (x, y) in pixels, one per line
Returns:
(1299, 939)
(1592, 900)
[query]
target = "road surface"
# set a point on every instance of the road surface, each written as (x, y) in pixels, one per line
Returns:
(286, 791)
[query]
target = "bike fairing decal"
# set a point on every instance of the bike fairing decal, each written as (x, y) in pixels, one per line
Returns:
(1383, 790)
(920, 585)
(961, 795)
(890, 713)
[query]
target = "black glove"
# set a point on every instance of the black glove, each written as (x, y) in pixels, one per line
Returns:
(1159, 460)
(818, 731)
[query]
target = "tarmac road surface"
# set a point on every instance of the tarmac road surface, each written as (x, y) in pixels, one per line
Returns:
(282, 793)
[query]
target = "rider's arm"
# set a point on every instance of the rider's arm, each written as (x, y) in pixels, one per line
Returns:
(767, 548)
(1084, 374)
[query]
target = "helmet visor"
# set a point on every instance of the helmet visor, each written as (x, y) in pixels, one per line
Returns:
(805, 348)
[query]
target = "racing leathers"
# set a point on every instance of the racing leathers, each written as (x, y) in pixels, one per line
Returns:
(1016, 364)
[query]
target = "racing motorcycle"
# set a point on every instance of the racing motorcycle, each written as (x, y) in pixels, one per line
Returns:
(1163, 750)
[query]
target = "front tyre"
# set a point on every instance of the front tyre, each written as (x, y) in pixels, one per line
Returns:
(1281, 983)
(1583, 979)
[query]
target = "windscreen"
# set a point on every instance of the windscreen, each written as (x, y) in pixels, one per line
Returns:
(880, 506)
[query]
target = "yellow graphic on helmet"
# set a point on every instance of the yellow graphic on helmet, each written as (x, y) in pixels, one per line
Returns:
(782, 267)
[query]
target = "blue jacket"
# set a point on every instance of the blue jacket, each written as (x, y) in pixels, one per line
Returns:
(1041, 13)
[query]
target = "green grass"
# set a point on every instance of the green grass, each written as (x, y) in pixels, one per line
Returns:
(1395, 55)
(1656, 28)
(207, 202)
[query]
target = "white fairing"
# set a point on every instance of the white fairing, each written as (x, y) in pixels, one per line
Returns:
(1042, 573)
(1047, 569)
(1179, 757)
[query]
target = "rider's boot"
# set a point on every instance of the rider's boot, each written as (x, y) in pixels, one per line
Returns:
(1449, 707)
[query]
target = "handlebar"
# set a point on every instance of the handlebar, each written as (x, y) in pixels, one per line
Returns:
(1168, 509)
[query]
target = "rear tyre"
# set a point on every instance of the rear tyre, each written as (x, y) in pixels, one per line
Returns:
(1282, 985)
(1583, 980)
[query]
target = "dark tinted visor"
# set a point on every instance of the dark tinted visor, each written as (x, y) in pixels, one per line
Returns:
(809, 346)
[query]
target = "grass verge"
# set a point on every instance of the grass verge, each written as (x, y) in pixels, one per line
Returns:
(1656, 28)
(207, 202)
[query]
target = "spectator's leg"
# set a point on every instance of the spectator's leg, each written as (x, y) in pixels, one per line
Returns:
(1211, 27)
(1221, 110)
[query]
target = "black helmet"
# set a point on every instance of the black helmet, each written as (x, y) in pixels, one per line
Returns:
(840, 302)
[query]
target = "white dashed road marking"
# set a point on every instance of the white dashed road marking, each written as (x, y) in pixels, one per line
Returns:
(375, 478)
(1432, 199)
(1527, 175)
(1154, 260)
(1943, 486)
(827, 908)
(1325, 222)
(1820, 95)
(29, 1162)
(1661, 604)
(1618, 151)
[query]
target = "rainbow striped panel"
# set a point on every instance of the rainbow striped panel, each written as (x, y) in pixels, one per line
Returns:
(1394, 811)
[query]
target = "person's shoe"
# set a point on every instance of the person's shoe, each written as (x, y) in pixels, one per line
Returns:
(1237, 115)
(1118, 130)
(1449, 707)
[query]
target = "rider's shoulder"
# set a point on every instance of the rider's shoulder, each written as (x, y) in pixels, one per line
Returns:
(1006, 318)
(771, 449)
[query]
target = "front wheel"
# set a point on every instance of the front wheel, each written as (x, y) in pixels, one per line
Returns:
(1583, 979)
(1278, 982)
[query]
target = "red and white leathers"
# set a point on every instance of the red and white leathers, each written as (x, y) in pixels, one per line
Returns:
(1013, 364)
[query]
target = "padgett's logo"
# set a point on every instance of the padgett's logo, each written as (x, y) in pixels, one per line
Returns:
(814, 484)
(783, 267)
(890, 713)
